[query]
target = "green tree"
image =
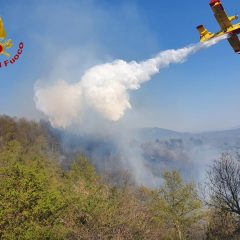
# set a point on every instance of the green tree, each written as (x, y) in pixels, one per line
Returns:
(177, 204)
(31, 202)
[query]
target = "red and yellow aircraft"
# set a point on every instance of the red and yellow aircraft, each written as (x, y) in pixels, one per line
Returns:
(226, 25)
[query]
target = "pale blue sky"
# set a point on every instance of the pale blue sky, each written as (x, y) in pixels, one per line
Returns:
(64, 38)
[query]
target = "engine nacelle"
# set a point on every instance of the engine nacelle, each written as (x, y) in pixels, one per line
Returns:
(232, 18)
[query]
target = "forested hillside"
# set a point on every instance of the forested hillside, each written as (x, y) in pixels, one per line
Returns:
(42, 199)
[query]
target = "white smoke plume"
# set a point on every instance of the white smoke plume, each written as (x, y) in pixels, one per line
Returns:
(105, 88)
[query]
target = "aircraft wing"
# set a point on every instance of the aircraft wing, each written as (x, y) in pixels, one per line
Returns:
(2, 30)
(220, 14)
(235, 43)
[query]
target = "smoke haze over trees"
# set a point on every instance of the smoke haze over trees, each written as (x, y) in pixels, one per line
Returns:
(48, 195)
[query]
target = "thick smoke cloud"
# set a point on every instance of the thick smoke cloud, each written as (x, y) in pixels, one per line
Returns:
(104, 88)
(102, 94)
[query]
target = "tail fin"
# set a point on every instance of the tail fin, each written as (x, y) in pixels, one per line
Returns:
(205, 35)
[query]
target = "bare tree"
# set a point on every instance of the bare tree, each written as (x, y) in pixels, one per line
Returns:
(223, 184)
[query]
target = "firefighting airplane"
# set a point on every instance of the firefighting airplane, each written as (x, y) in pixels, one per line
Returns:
(4, 44)
(226, 25)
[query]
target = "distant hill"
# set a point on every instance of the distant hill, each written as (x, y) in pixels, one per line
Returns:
(158, 133)
(152, 150)
(226, 140)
